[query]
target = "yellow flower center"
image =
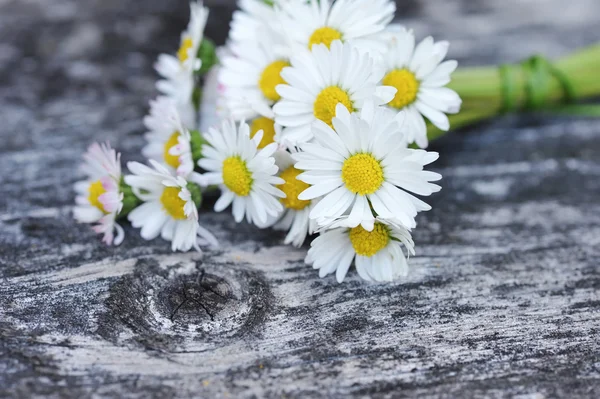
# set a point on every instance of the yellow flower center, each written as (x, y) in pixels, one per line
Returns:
(362, 174)
(183, 52)
(96, 189)
(267, 126)
(236, 176)
(368, 243)
(171, 160)
(324, 35)
(270, 78)
(292, 188)
(327, 100)
(172, 203)
(407, 85)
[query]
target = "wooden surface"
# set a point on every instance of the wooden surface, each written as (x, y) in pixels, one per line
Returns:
(502, 299)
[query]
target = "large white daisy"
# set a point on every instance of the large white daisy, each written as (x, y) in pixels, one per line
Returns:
(363, 166)
(313, 22)
(295, 218)
(99, 199)
(377, 254)
(169, 209)
(168, 139)
(319, 80)
(245, 174)
(419, 75)
(178, 72)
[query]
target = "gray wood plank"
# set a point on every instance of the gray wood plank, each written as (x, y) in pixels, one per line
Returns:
(502, 299)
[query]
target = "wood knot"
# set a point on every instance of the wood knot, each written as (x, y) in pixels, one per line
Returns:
(195, 296)
(167, 302)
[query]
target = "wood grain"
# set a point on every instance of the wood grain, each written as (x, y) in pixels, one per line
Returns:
(503, 295)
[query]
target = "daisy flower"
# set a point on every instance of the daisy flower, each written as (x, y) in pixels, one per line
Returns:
(178, 72)
(319, 80)
(99, 199)
(254, 19)
(377, 254)
(245, 88)
(168, 139)
(245, 174)
(363, 166)
(419, 75)
(295, 218)
(169, 207)
(313, 22)
(251, 75)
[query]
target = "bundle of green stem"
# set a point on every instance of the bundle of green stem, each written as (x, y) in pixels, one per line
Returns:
(533, 85)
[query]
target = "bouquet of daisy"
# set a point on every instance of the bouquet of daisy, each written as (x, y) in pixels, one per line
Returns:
(313, 119)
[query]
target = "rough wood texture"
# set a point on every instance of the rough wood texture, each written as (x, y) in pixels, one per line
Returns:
(502, 299)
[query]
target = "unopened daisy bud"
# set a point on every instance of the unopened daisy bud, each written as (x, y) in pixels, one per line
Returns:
(99, 198)
(245, 174)
(169, 207)
(377, 254)
(362, 168)
(419, 75)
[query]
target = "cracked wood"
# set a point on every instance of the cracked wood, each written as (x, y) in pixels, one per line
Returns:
(502, 298)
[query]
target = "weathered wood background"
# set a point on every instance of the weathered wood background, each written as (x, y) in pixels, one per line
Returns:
(502, 300)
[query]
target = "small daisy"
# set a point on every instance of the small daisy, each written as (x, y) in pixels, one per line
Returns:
(251, 77)
(363, 166)
(99, 199)
(245, 174)
(295, 218)
(169, 208)
(178, 72)
(313, 22)
(419, 75)
(168, 139)
(320, 80)
(377, 254)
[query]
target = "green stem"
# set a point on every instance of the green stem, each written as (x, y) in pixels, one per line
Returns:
(130, 201)
(481, 89)
(583, 71)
